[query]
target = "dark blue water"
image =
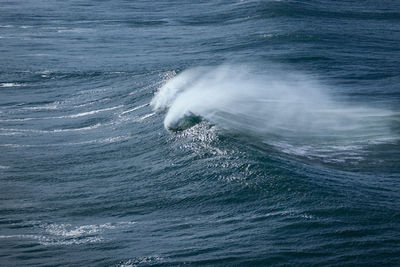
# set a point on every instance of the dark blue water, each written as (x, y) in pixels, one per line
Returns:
(199, 133)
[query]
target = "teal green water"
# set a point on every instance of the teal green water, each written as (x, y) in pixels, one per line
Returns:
(215, 133)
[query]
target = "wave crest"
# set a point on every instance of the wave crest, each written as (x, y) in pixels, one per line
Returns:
(275, 105)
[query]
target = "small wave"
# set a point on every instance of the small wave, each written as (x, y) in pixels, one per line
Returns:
(72, 116)
(76, 129)
(141, 261)
(133, 109)
(68, 234)
(67, 230)
(50, 106)
(146, 116)
(46, 241)
(88, 112)
(11, 84)
(21, 119)
(285, 213)
(106, 140)
(14, 131)
(92, 91)
(77, 30)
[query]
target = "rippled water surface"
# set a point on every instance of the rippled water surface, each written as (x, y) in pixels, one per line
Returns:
(220, 133)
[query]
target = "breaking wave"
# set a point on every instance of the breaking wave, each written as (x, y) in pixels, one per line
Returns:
(283, 108)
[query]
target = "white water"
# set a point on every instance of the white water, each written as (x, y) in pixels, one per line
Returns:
(280, 107)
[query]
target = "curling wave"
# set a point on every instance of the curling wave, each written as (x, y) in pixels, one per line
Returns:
(280, 107)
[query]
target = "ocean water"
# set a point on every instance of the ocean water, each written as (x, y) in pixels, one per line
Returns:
(199, 133)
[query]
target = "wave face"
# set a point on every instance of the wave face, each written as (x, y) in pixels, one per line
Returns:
(279, 107)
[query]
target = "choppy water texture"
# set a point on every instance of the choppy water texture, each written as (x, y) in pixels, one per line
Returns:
(219, 133)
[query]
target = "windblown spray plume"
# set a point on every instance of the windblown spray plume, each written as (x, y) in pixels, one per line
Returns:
(282, 108)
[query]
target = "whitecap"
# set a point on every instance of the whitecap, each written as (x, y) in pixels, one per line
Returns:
(55, 106)
(146, 116)
(52, 234)
(106, 140)
(14, 131)
(89, 112)
(10, 84)
(141, 261)
(134, 109)
(51, 106)
(76, 30)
